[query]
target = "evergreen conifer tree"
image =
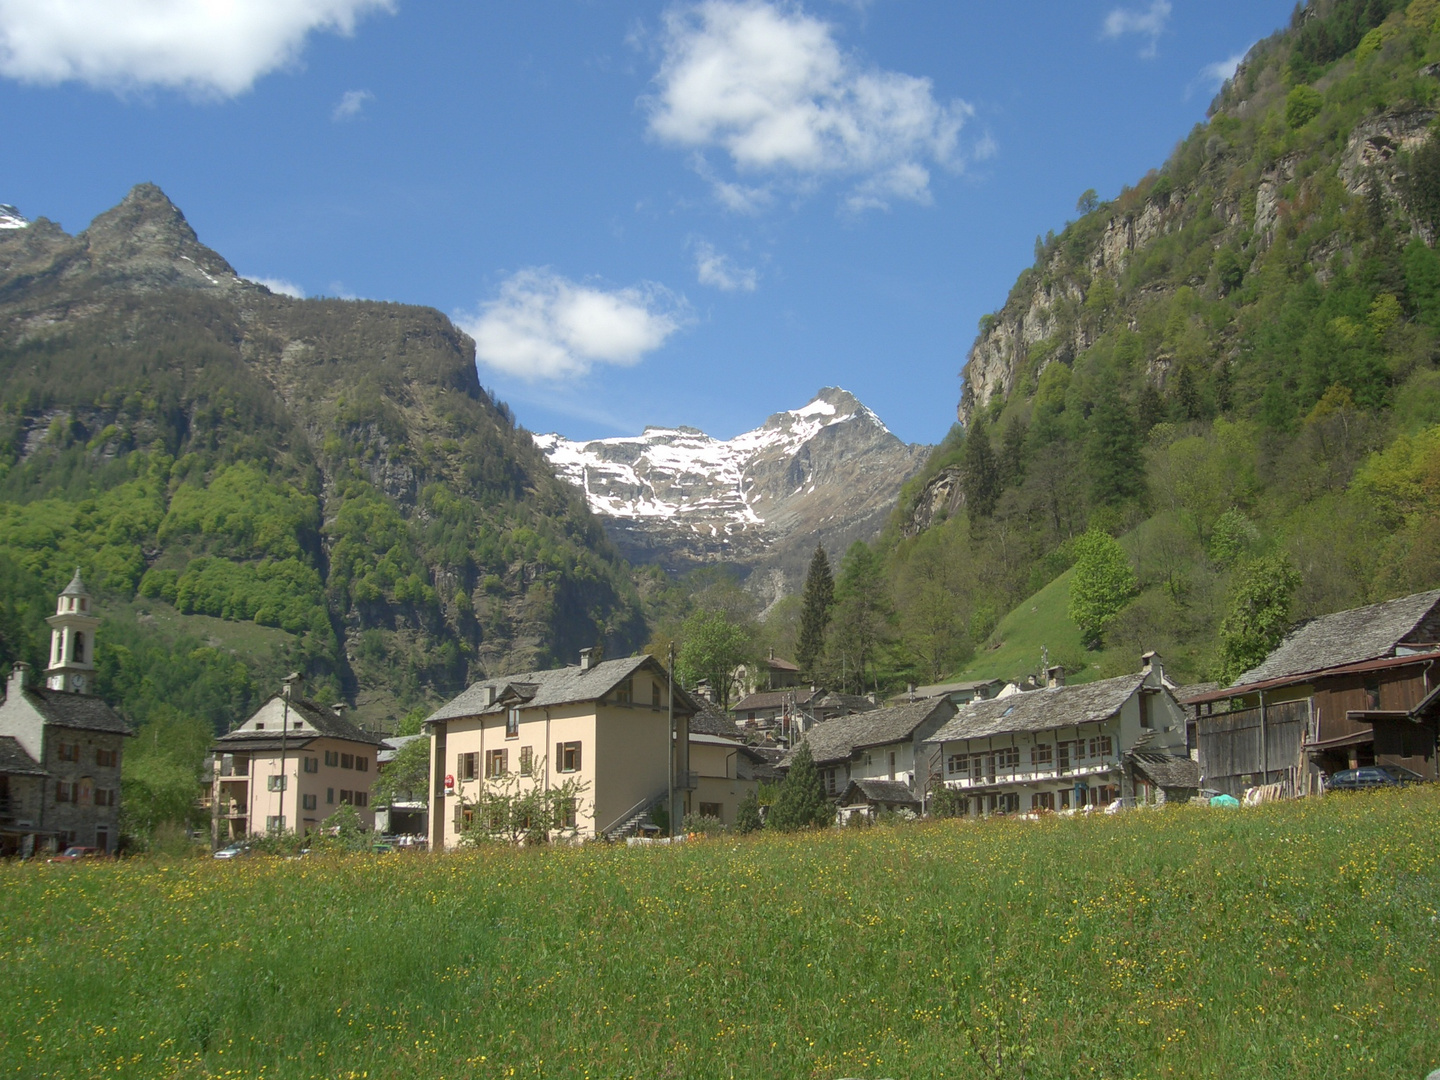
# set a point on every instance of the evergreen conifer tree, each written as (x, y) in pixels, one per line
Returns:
(801, 801)
(981, 473)
(1112, 453)
(747, 814)
(816, 602)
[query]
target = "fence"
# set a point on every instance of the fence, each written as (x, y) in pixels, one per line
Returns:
(1255, 746)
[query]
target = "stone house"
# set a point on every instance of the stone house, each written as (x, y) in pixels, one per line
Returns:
(60, 746)
(1064, 747)
(883, 744)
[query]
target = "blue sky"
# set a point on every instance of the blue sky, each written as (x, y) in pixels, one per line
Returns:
(645, 212)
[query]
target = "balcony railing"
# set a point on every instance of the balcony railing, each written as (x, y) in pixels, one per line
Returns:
(1032, 775)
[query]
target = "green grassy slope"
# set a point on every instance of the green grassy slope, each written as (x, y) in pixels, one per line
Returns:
(1287, 940)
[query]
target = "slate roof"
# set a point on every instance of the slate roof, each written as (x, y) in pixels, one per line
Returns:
(14, 761)
(773, 699)
(760, 763)
(1168, 770)
(80, 711)
(834, 701)
(393, 744)
(1183, 694)
(557, 686)
(880, 791)
(710, 720)
(325, 721)
(1040, 710)
(838, 739)
(936, 689)
(1346, 637)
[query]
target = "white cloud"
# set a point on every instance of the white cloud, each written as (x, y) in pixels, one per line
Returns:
(721, 272)
(1149, 24)
(351, 104)
(279, 286)
(1213, 76)
(768, 86)
(211, 47)
(544, 326)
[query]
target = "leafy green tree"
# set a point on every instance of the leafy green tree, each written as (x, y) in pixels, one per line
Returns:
(817, 600)
(747, 814)
(1258, 613)
(713, 647)
(1103, 584)
(518, 807)
(801, 802)
(1088, 203)
(406, 777)
(1302, 105)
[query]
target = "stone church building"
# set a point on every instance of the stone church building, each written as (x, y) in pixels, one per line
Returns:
(60, 746)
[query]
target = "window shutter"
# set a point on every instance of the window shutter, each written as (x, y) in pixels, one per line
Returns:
(577, 757)
(559, 757)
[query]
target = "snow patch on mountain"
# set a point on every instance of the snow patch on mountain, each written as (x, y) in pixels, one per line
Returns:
(10, 218)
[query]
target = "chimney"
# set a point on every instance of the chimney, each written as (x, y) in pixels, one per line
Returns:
(339, 709)
(1055, 676)
(293, 682)
(585, 659)
(1150, 662)
(16, 685)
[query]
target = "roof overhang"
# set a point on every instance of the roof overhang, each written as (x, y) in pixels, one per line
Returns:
(1364, 667)
(1355, 738)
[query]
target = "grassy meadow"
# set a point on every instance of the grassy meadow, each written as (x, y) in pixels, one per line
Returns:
(1294, 940)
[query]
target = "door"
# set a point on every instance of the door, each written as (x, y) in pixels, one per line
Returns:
(1062, 757)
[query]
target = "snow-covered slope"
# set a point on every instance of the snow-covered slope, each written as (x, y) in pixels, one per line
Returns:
(10, 218)
(829, 471)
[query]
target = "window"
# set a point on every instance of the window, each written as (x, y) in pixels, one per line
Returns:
(567, 814)
(1008, 758)
(654, 693)
(892, 764)
(276, 783)
(1042, 800)
(568, 755)
(497, 763)
(512, 723)
(68, 751)
(259, 725)
(464, 815)
(468, 766)
(330, 796)
(332, 758)
(347, 761)
(527, 760)
(1101, 746)
(362, 798)
(79, 648)
(711, 809)
(64, 791)
(107, 758)
(362, 763)
(958, 765)
(829, 782)
(347, 797)
(1065, 799)
(1062, 757)
(308, 802)
(104, 796)
(312, 765)
(1372, 694)
(275, 823)
(623, 692)
(1042, 756)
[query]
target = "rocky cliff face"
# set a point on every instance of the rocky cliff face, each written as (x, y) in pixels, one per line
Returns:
(827, 472)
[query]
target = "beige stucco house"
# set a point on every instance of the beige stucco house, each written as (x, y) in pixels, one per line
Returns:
(725, 768)
(289, 767)
(604, 726)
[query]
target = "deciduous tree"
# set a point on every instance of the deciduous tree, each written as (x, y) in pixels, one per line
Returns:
(1103, 583)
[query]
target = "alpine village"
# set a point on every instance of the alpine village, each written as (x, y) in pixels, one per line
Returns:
(1098, 738)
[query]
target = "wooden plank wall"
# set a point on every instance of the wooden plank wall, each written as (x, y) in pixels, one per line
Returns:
(1230, 750)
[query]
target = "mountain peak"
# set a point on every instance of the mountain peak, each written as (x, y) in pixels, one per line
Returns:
(10, 218)
(147, 237)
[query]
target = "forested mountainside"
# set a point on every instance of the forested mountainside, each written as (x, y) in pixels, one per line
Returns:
(254, 483)
(1230, 366)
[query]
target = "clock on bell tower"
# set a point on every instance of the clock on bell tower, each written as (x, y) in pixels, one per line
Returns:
(72, 639)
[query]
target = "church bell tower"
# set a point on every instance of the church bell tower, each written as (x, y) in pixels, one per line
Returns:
(72, 640)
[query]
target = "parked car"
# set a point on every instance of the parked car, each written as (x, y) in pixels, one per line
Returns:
(1372, 776)
(75, 854)
(233, 851)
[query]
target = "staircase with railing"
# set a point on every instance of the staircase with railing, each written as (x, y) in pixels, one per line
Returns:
(629, 823)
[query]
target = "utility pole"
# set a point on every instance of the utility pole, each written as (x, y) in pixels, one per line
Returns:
(670, 743)
(290, 681)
